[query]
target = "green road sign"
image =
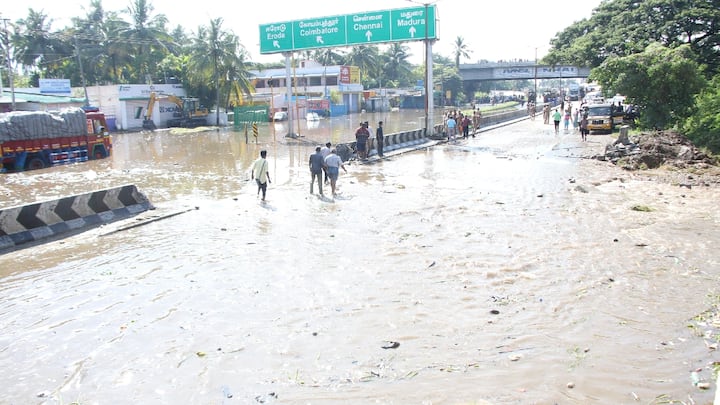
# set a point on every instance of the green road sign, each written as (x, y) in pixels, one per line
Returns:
(413, 24)
(405, 24)
(276, 37)
(319, 32)
(368, 28)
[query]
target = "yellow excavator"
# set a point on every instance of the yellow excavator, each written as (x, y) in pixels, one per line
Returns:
(190, 114)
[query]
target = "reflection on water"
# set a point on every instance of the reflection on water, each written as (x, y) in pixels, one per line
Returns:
(504, 269)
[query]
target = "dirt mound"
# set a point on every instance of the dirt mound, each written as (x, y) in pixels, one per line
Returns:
(651, 150)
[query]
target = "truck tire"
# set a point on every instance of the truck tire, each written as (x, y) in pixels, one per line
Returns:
(35, 163)
(99, 152)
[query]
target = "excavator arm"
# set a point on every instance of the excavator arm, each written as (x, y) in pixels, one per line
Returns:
(190, 114)
(148, 123)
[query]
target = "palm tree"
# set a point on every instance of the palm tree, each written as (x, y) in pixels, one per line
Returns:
(147, 37)
(217, 58)
(365, 57)
(328, 56)
(396, 66)
(460, 49)
(34, 44)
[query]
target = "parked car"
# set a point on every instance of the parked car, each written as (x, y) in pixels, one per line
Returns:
(280, 116)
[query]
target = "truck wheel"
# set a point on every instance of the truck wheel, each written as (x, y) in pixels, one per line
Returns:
(35, 163)
(99, 152)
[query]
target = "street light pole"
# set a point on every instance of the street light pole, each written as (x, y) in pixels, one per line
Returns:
(429, 124)
(535, 100)
(9, 65)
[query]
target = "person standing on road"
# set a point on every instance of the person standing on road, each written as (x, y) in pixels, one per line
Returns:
(325, 150)
(334, 163)
(556, 119)
(361, 137)
(477, 116)
(261, 174)
(466, 126)
(584, 127)
(566, 119)
(546, 114)
(380, 139)
(317, 164)
(451, 125)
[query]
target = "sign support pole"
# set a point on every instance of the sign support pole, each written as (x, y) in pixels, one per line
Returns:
(288, 87)
(429, 99)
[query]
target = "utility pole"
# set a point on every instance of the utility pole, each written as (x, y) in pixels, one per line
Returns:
(82, 74)
(9, 65)
(535, 100)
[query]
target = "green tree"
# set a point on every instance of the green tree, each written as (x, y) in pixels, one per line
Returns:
(328, 56)
(446, 79)
(626, 27)
(365, 57)
(36, 46)
(703, 127)
(148, 40)
(661, 81)
(460, 50)
(395, 65)
(217, 60)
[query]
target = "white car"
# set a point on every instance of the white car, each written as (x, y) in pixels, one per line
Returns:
(280, 116)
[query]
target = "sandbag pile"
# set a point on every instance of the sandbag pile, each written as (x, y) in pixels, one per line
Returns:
(25, 125)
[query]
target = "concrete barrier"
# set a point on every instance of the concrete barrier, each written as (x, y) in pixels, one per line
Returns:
(413, 139)
(41, 220)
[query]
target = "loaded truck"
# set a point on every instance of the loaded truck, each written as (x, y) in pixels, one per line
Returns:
(38, 139)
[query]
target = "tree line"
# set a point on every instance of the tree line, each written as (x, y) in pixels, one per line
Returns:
(135, 45)
(664, 55)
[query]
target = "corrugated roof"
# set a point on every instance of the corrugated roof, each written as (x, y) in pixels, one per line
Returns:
(44, 98)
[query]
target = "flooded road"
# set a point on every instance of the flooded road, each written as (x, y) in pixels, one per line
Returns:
(504, 269)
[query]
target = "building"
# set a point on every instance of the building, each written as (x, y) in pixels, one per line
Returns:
(309, 82)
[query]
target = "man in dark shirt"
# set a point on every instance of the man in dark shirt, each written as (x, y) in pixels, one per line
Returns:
(317, 163)
(380, 138)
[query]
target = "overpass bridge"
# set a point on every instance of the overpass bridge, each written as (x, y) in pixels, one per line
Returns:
(519, 71)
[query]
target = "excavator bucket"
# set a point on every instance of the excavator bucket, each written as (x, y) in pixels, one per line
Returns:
(149, 125)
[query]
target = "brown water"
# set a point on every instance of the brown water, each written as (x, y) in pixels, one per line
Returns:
(505, 266)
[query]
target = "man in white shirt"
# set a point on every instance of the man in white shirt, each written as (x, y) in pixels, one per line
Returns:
(334, 163)
(325, 151)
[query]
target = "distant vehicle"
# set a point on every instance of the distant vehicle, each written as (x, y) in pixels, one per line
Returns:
(600, 117)
(312, 116)
(280, 116)
(594, 97)
(574, 92)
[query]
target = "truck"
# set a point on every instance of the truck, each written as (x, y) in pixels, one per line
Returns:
(188, 115)
(574, 91)
(32, 140)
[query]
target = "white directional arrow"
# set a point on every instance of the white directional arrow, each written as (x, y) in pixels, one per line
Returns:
(368, 35)
(319, 39)
(412, 32)
(276, 44)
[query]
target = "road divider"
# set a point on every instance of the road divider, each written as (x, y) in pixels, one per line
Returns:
(41, 220)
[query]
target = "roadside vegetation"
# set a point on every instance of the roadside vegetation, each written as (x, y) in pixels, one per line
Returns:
(664, 55)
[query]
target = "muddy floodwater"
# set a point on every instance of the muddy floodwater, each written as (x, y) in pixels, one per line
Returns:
(504, 269)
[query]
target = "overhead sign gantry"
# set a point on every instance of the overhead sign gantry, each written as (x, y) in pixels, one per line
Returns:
(398, 25)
